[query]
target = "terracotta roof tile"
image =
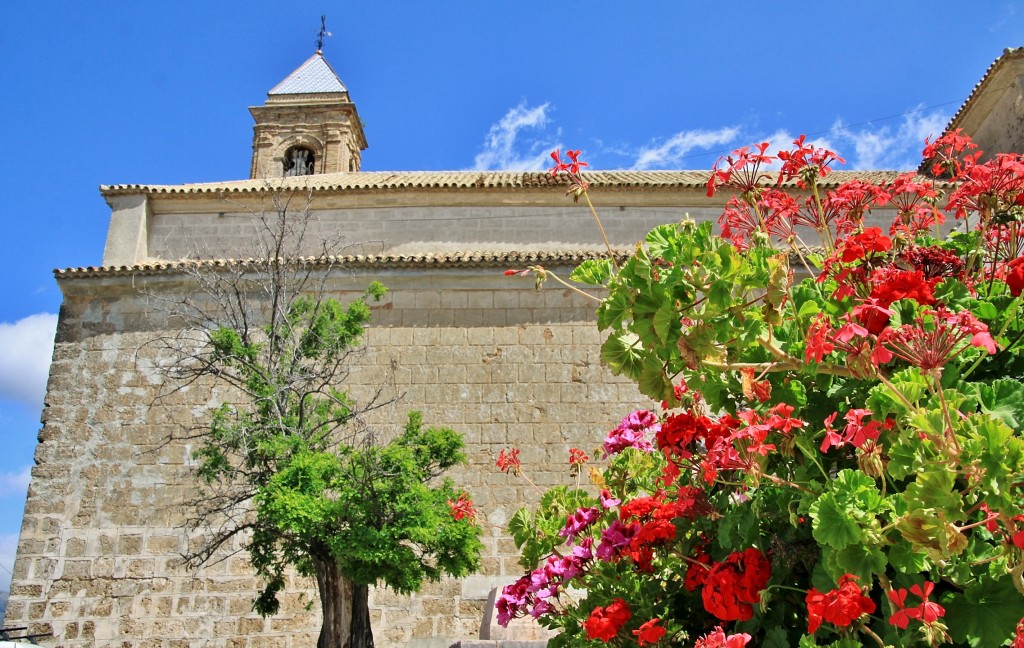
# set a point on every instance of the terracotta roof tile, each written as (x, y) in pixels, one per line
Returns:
(372, 181)
(452, 260)
(981, 87)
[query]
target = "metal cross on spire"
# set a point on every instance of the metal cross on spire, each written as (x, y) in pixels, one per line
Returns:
(322, 34)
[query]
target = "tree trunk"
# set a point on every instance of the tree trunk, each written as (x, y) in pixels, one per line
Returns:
(362, 633)
(345, 607)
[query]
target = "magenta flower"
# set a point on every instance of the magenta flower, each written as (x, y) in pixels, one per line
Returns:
(632, 433)
(579, 521)
(607, 501)
(615, 538)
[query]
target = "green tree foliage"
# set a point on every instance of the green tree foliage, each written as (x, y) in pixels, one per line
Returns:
(324, 495)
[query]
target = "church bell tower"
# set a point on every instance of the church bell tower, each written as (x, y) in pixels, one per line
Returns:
(307, 126)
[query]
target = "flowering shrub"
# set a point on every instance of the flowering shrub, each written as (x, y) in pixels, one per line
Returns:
(838, 458)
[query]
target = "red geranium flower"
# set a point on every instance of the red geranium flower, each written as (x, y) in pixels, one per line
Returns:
(927, 612)
(560, 166)
(604, 622)
(870, 241)
(462, 508)
(508, 461)
(1015, 276)
(891, 284)
(733, 587)
(577, 457)
(574, 166)
(840, 607)
(649, 633)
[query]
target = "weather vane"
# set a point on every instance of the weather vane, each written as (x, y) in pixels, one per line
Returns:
(323, 32)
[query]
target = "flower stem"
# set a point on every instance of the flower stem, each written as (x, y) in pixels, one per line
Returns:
(548, 273)
(600, 228)
(866, 630)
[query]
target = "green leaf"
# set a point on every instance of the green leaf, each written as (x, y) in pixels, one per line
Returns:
(934, 488)
(952, 292)
(623, 354)
(984, 310)
(861, 560)
(792, 392)
(664, 319)
(729, 261)
(720, 294)
(986, 614)
(653, 382)
(595, 272)
(999, 452)
(776, 638)
(614, 309)
(808, 309)
(909, 382)
(1003, 399)
(661, 241)
(905, 559)
(908, 455)
(832, 525)
(521, 526)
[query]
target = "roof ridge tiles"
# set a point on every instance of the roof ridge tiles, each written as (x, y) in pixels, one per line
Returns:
(465, 258)
(372, 181)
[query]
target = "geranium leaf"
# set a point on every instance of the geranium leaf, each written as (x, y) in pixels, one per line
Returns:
(664, 318)
(653, 382)
(595, 272)
(623, 354)
(807, 309)
(520, 526)
(934, 489)
(661, 241)
(614, 309)
(861, 560)
(832, 523)
(1004, 399)
(792, 393)
(952, 292)
(986, 614)
(905, 559)
(720, 294)
(776, 638)
(985, 310)
(999, 452)
(908, 454)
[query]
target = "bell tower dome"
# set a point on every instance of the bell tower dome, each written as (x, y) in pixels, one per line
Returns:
(308, 125)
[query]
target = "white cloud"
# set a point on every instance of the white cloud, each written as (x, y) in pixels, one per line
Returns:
(863, 147)
(522, 140)
(8, 549)
(669, 153)
(504, 148)
(15, 483)
(26, 347)
(888, 147)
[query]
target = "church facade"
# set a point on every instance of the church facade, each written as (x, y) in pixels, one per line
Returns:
(508, 366)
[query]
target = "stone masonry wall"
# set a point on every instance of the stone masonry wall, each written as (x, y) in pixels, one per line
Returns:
(230, 232)
(98, 557)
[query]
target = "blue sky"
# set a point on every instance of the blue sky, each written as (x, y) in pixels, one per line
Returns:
(113, 92)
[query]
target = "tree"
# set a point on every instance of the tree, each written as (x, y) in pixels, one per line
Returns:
(288, 466)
